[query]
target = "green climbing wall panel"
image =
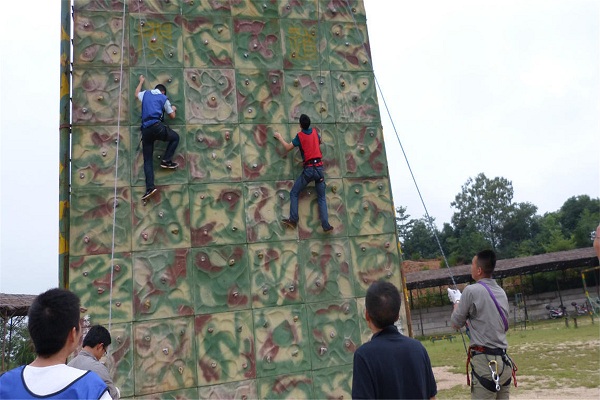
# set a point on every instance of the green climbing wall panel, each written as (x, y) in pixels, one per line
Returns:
(211, 295)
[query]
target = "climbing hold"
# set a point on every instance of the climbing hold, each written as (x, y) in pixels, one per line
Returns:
(104, 153)
(213, 364)
(145, 236)
(295, 353)
(211, 330)
(147, 304)
(165, 351)
(84, 110)
(81, 176)
(118, 304)
(117, 267)
(249, 111)
(180, 369)
(247, 82)
(387, 244)
(206, 41)
(147, 338)
(245, 55)
(322, 350)
(100, 290)
(119, 340)
(332, 335)
(153, 40)
(380, 186)
(347, 43)
(214, 155)
(86, 239)
(274, 81)
(363, 248)
(294, 54)
(240, 328)
(296, 318)
(161, 214)
(85, 273)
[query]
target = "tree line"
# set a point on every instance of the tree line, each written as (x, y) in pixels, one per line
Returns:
(487, 217)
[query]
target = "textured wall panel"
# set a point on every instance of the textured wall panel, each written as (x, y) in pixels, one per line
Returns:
(288, 386)
(208, 42)
(94, 155)
(92, 221)
(96, 96)
(257, 44)
(334, 332)
(326, 270)
(97, 38)
(120, 358)
(217, 214)
(212, 296)
(165, 351)
(225, 344)
(309, 93)
(221, 279)
(91, 276)
(275, 274)
(263, 159)
(282, 344)
(162, 284)
(369, 206)
(214, 153)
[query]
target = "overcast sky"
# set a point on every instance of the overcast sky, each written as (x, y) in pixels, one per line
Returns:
(507, 88)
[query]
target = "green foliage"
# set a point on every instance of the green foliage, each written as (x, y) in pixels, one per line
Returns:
(18, 348)
(485, 204)
(485, 217)
(403, 224)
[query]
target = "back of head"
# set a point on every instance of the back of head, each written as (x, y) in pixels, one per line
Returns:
(96, 335)
(304, 121)
(383, 303)
(52, 316)
(486, 260)
(161, 87)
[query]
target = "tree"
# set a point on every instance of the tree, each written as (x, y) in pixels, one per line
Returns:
(403, 223)
(521, 225)
(486, 204)
(571, 212)
(18, 348)
(420, 242)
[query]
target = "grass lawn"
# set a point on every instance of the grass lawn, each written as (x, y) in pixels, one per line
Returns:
(548, 354)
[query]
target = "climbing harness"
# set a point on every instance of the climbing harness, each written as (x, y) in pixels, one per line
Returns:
(493, 384)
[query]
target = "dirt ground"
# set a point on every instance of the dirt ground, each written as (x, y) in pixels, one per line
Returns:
(447, 380)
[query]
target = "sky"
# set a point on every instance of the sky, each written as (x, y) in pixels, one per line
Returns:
(506, 88)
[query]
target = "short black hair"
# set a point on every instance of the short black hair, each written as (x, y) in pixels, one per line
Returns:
(486, 260)
(51, 317)
(96, 335)
(383, 303)
(161, 87)
(304, 121)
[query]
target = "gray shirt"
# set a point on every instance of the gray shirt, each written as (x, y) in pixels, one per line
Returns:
(88, 362)
(485, 321)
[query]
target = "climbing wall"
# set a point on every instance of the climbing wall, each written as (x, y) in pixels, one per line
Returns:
(211, 295)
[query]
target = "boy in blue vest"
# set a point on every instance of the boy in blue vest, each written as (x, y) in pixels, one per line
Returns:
(154, 104)
(53, 324)
(308, 141)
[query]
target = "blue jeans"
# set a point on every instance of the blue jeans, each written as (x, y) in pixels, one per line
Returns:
(308, 175)
(151, 134)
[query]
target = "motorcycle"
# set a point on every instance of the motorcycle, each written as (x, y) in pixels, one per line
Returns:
(556, 312)
(583, 309)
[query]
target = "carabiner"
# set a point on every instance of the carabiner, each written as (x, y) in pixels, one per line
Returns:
(494, 372)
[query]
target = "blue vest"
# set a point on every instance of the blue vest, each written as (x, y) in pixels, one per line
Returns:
(88, 386)
(152, 108)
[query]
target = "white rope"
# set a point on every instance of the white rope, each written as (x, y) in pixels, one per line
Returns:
(115, 202)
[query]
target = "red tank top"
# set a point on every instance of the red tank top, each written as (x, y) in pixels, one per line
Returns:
(311, 149)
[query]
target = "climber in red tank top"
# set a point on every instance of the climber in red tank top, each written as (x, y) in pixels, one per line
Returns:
(308, 141)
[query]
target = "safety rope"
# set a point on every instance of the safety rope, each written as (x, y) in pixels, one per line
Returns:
(115, 201)
(321, 80)
(429, 219)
